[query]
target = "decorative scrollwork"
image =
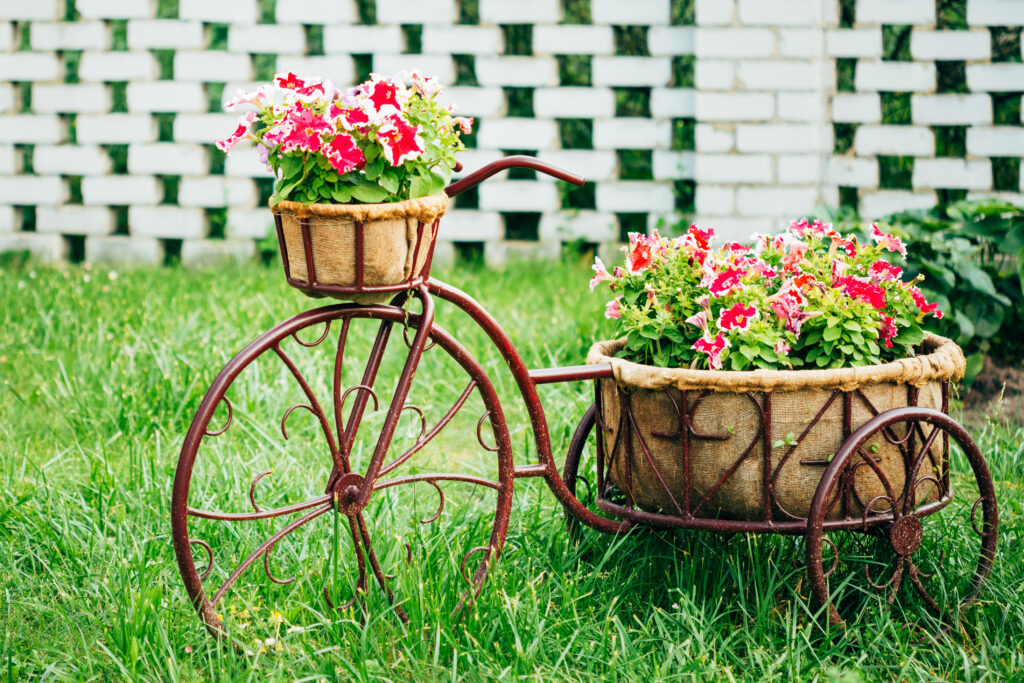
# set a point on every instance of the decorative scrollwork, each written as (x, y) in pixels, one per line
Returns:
(266, 568)
(252, 489)
(479, 434)
(309, 345)
(227, 423)
(835, 556)
(471, 553)
(974, 515)
(209, 556)
(440, 506)
(287, 413)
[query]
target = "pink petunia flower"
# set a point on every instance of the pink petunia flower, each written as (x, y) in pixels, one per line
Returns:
(863, 290)
(726, 281)
(699, 320)
(465, 124)
(307, 128)
(602, 273)
(385, 93)
(888, 241)
(888, 330)
(343, 153)
(704, 236)
(883, 271)
(289, 82)
(244, 122)
(400, 140)
(782, 348)
(640, 257)
(611, 309)
(922, 304)
(713, 348)
(241, 97)
(737, 317)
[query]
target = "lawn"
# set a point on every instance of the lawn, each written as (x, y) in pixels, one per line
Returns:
(102, 371)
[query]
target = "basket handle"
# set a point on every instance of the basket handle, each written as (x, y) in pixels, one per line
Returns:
(516, 161)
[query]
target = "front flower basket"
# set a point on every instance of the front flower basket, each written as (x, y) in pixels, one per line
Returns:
(365, 253)
(753, 445)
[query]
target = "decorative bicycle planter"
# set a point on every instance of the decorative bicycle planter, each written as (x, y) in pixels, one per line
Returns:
(892, 466)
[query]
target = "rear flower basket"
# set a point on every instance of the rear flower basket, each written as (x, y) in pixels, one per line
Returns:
(714, 443)
(360, 252)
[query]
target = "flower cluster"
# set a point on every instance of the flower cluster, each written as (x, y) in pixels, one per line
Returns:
(387, 139)
(808, 297)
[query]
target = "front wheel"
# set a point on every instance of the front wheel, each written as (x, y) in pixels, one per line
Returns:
(933, 534)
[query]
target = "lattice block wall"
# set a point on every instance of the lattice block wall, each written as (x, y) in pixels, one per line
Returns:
(109, 108)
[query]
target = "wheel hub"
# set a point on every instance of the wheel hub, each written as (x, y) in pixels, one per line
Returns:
(346, 494)
(906, 535)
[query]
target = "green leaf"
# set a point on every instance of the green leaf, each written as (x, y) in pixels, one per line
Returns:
(1020, 268)
(291, 165)
(371, 152)
(341, 194)
(369, 194)
(910, 336)
(853, 326)
(831, 333)
(374, 168)
(749, 352)
(978, 278)
(389, 181)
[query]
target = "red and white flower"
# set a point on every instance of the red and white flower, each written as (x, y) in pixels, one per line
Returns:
(640, 256)
(307, 129)
(737, 317)
(611, 309)
(922, 304)
(888, 330)
(343, 153)
(888, 241)
(602, 274)
(244, 122)
(726, 281)
(713, 348)
(883, 271)
(400, 140)
(699, 320)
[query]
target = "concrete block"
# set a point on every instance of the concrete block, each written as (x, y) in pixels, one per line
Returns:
(165, 34)
(118, 66)
(715, 200)
(895, 76)
(926, 44)
(461, 39)
(121, 190)
(69, 35)
(673, 165)
(779, 75)
(898, 12)
(894, 140)
(166, 96)
(713, 138)
(8, 98)
(995, 13)
(635, 196)
(734, 43)
(573, 103)
(123, 249)
(800, 107)
(951, 110)
(714, 74)
(974, 174)
(288, 39)
(52, 98)
(996, 141)
(209, 253)
(853, 172)
(70, 160)
(783, 202)
(8, 36)
(590, 226)
(253, 224)
(875, 205)
(856, 43)
(116, 128)
(798, 169)
(735, 106)
(116, 9)
(75, 220)
(523, 12)
(31, 66)
(632, 133)
(32, 129)
(359, 39)
(668, 41)
(572, 39)
(212, 66)
(10, 161)
(857, 107)
(42, 10)
(778, 12)
(173, 222)
(315, 12)
(740, 229)
(45, 248)
(673, 103)
(734, 168)
(715, 12)
(635, 12)
(220, 12)
(782, 138)
(631, 71)
(44, 190)
(802, 43)
(1006, 77)
(518, 71)
(472, 101)
(467, 225)
(168, 158)
(593, 164)
(517, 133)
(244, 162)
(518, 195)
(204, 128)
(419, 12)
(215, 192)
(10, 219)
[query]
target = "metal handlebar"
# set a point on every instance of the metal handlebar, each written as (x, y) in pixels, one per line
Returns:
(517, 161)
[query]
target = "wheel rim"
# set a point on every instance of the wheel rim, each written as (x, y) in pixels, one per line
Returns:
(342, 434)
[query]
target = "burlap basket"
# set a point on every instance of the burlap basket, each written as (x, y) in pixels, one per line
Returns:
(730, 405)
(395, 249)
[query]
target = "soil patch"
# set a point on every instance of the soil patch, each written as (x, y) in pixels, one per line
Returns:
(997, 390)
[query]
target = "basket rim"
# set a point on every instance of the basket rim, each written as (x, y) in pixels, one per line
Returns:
(943, 361)
(426, 209)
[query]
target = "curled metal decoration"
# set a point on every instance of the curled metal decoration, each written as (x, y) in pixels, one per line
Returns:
(479, 434)
(359, 387)
(974, 515)
(209, 557)
(938, 563)
(869, 511)
(313, 404)
(440, 506)
(405, 336)
(227, 423)
(835, 556)
(252, 489)
(266, 568)
(287, 413)
(423, 419)
(465, 559)
(309, 345)
(894, 581)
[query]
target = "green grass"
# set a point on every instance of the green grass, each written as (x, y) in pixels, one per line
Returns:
(101, 374)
